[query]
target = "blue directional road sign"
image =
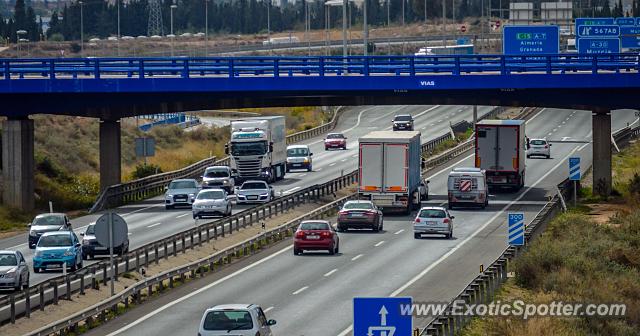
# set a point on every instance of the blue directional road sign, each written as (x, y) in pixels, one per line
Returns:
(599, 45)
(382, 316)
(625, 21)
(598, 31)
(574, 169)
(630, 37)
(530, 40)
(593, 22)
(516, 229)
(638, 21)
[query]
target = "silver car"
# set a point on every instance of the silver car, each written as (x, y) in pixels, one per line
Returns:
(299, 157)
(236, 320)
(46, 222)
(539, 147)
(180, 192)
(211, 202)
(218, 177)
(433, 220)
(254, 192)
(14, 272)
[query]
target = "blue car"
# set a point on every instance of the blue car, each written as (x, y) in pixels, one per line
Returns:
(57, 248)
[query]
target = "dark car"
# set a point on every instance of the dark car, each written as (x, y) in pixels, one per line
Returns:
(46, 223)
(91, 247)
(335, 140)
(360, 214)
(403, 122)
(315, 235)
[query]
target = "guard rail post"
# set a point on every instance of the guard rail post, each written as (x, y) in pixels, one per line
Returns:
(104, 273)
(146, 255)
(27, 302)
(183, 240)
(55, 292)
(67, 281)
(82, 284)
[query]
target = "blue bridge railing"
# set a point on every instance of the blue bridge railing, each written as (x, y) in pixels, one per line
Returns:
(233, 67)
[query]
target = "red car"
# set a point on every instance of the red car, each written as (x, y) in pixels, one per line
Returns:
(315, 235)
(360, 214)
(335, 140)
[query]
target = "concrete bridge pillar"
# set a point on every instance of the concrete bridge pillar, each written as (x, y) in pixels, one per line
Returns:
(601, 123)
(110, 153)
(18, 164)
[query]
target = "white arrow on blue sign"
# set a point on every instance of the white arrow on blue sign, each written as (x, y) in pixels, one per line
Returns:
(382, 316)
(599, 31)
(516, 229)
(574, 169)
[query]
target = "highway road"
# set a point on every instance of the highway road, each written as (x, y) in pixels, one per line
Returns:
(312, 294)
(148, 220)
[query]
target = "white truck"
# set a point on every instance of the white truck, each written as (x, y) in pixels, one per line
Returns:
(500, 152)
(389, 169)
(257, 148)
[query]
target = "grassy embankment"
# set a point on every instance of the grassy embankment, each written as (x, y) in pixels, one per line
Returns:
(67, 160)
(590, 254)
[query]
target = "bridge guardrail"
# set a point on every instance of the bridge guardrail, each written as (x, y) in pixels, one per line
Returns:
(154, 185)
(485, 285)
(49, 291)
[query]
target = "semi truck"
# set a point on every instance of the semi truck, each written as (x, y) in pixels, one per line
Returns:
(389, 170)
(500, 152)
(257, 148)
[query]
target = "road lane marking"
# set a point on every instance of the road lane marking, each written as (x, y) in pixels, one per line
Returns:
(319, 169)
(354, 155)
(268, 309)
(300, 290)
(379, 243)
(331, 272)
(152, 225)
(302, 175)
(332, 164)
(357, 257)
(180, 216)
(399, 231)
(291, 190)
(343, 160)
(198, 292)
(549, 133)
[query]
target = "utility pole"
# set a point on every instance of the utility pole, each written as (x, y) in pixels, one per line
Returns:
(118, 4)
(206, 28)
(366, 29)
(444, 23)
(81, 29)
(345, 3)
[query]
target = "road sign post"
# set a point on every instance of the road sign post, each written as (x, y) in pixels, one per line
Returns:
(574, 175)
(530, 40)
(382, 316)
(111, 230)
(516, 229)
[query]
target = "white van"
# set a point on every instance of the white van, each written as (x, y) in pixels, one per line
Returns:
(467, 187)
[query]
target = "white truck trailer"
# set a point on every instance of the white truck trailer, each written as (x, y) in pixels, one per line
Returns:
(500, 152)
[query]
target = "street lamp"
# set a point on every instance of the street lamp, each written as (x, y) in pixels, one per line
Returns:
(81, 29)
(444, 23)
(269, 27)
(172, 36)
(206, 28)
(118, 43)
(18, 33)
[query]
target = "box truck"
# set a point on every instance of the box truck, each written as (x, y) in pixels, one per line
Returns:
(257, 148)
(500, 152)
(389, 169)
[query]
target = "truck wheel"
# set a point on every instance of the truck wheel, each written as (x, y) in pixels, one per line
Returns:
(416, 235)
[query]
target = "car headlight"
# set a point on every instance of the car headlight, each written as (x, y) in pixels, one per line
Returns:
(306, 160)
(10, 274)
(265, 194)
(85, 242)
(192, 195)
(69, 253)
(33, 233)
(225, 182)
(240, 196)
(169, 196)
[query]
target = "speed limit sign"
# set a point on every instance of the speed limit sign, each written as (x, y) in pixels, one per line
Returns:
(463, 28)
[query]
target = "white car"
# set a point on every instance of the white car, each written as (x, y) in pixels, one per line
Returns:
(236, 320)
(211, 202)
(254, 192)
(538, 147)
(433, 220)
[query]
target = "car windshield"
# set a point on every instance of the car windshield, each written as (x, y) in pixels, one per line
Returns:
(314, 226)
(432, 213)
(183, 185)
(8, 259)
(211, 195)
(55, 240)
(249, 148)
(228, 320)
(335, 136)
(538, 142)
(253, 185)
(402, 118)
(358, 205)
(91, 230)
(216, 173)
(49, 220)
(293, 152)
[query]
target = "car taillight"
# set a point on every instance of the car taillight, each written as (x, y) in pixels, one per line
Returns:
(299, 234)
(343, 213)
(370, 213)
(326, 234)
(417, 220)
(481, 196)
(446, 220)
(546, 146)
(257, 334)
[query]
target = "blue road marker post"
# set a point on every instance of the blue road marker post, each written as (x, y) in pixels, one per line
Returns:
(574, 175)
(516, 229)
(382, 316)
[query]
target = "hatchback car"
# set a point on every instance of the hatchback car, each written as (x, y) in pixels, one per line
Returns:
(14, 272)
(403, 122)
(315, 235)
(211, 202)
(254, 192)
(91, 247)
(180, 192)
(299, 157)
(433, 220)
(539, 147)
(335, 140)
(236, 320)
(218, 177)
(46, 223)
(57, 248)
(360, 214)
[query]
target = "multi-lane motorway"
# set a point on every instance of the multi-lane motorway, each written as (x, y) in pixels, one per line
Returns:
(311, 294)
(149, 221)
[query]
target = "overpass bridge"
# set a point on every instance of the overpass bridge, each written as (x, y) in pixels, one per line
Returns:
(114, 88)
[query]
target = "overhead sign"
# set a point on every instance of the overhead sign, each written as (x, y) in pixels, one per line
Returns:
(382, 316)
(626, 21)
(574, 169)
(594, 21)
(531, 40)
(516, 229)
(630, 37)
(598, 31)
(598, 45)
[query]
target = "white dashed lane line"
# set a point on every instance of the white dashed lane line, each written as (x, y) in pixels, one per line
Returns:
(152, 225)
(331, 272)
(357, 257)
(300, 290)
